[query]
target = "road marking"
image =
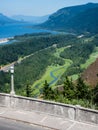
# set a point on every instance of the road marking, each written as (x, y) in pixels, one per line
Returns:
(71, 126)
(87, 124)
(43, 119)
(2, 112)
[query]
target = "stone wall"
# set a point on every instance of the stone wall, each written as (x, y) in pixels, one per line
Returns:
(57, 109)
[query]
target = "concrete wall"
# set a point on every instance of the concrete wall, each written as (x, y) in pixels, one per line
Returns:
(53, 108)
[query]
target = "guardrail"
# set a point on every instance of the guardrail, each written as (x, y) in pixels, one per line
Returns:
(56, 109)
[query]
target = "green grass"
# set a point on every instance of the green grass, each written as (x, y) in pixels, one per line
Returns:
(92, 58)
(59, 50)
(56, 70)
(59, 70)
(47, 76)
(74, 77)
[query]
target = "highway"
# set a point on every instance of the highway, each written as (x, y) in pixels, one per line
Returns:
(6, 124)
(6, 68)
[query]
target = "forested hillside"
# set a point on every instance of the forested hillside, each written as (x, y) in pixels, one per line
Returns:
(46, 58)
(26, 45)
(56, 66)
(76, 19)
(90, 75)
(58, 55)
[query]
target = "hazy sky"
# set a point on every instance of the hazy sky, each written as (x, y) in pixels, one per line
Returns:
(36, 7)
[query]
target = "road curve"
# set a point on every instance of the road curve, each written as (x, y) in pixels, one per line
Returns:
(6, 124)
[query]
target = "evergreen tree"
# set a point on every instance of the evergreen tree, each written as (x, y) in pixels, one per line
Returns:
(48, 93)
(82, 90)
(45, 90)
(68, 87)
(95, 94)
(28, 90)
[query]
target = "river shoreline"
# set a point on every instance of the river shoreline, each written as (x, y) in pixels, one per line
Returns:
(5, 40)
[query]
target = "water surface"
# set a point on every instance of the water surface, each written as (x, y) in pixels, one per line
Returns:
(11, 30)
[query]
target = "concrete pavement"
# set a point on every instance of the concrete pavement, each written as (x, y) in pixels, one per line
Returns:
(6, 124)
(42, 119)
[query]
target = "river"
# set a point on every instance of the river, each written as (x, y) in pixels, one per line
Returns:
(11, 30)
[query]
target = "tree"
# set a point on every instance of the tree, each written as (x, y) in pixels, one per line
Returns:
(28, 90)
(48, 93)
(95, 94)
(82, 90)
(45, 90)
(68, 87)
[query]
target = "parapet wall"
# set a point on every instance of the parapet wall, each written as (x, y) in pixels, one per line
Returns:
(57, 109)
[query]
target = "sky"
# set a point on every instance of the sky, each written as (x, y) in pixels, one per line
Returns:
(37, 7)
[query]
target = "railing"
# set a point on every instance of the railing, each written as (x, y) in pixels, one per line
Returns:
(56, 109)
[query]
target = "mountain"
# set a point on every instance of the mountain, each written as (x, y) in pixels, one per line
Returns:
(86, 21)
(5, 20)
(33, 19)
(74, 19)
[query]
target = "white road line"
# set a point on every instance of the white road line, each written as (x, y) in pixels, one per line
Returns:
(2, 112)
(43, 119)
(71, 126)
(87, 123)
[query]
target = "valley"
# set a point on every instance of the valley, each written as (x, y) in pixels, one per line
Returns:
(47, 61)
(55, 60)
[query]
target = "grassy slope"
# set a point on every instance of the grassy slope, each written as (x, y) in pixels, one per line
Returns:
(56, 69)
(59, 70)
(92, 58)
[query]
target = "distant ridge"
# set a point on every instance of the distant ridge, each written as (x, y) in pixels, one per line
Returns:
(6, 20)
(78, 19)
(33, 19)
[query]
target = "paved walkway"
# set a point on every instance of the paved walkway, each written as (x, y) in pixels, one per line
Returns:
(44, 120)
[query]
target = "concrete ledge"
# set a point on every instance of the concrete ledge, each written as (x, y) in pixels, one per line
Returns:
(71, 112)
